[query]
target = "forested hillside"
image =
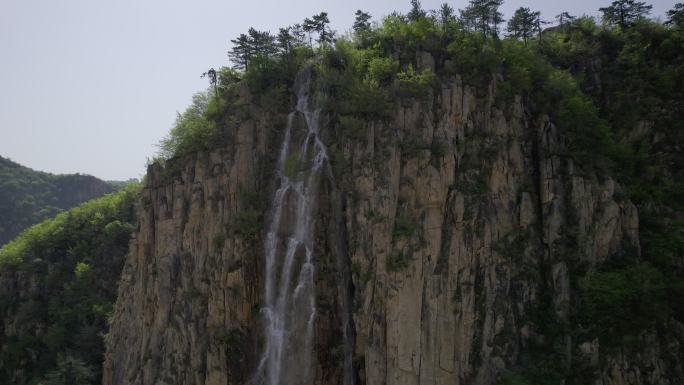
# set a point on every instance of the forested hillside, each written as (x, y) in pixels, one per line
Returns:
(58, 283)
(28, 197)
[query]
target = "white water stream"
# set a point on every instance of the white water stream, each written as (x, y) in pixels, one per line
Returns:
(289, 310)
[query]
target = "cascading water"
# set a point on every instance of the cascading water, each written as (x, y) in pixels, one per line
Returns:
(289, 310)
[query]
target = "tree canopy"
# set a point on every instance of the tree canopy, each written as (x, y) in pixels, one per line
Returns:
(319, 24)
(675, 16)
(625, 12)
(483, 16)
(524, 24)
(74, 260)
(417, 12)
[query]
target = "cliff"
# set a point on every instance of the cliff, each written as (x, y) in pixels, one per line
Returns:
(422, 201)
(456, 233)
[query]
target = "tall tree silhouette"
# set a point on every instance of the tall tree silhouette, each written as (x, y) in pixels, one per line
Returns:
(361, 22)
(625, 12)
(241, 53)
(213, 78)
(564, 17)
(248, 46)
(523, 24)
(675, 16)
(447, 17)
(262, 42)
(416, 13)
(319, 24)
(483, 15)
(362, 26)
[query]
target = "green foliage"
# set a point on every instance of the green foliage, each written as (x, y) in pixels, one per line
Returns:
(362, 27)
(589, 137)
(82, 270)
(404, 227)
(523, 24)
(601, 87)
(247, 222)
(105, 216)
(366, 100)
(619, 303)
(483, 16)
(69, 371)
(638, 91)
(350, 88)
(75, 259)
(218, 242)
(472, 57)
(193, 130)
(475, 186)
(675, 16)
(512, 245)
(28, 197)
(411, 83)
(397, 261)
(319, 24)
(381, 70)
(625, 12)
(513, 379)
(352, 126)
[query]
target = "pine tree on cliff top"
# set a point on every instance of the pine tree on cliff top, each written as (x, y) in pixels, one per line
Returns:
(625, 12)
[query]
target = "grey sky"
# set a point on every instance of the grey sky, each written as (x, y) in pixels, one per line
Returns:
(91, 86)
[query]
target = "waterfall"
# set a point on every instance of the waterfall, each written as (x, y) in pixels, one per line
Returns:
(289, 309)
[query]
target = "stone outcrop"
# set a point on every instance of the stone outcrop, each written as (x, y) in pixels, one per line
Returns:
(457, 221)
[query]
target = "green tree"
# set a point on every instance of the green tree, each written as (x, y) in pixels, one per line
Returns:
(564, 17)
(319, 24)
(538, 23)
(625, 12)
(212, 75)
(75, 259)
(285, 41)
(362, 26)
(248, 46)
(241, 53)
(70, 371)
(483, 16)
(447, 17)
(262, 43)
(298, 34)
(523, 24)
(675, 16)
(416, 13)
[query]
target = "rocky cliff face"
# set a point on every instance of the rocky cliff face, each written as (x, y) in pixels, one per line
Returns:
(460, 223)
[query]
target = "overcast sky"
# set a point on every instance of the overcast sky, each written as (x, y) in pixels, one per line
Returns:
(91, 86)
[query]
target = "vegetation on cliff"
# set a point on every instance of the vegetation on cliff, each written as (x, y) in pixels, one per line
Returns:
(613, 88)
(58, 283)
(28, 197)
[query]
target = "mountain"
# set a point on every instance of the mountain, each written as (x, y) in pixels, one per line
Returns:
(421, 205)
(58, 283)
(28, 197)
(422, 202)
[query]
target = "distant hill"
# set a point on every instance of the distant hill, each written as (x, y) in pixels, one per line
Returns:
(28, 196)
(58, 282)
